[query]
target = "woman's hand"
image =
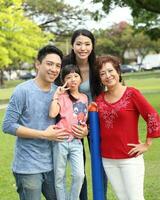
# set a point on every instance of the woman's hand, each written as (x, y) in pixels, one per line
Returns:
(80, 131)
(138, 149)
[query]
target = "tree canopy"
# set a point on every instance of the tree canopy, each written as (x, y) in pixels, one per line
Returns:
(145, 13)
(135, 5)
(122, 39)
(19, 37)
(55, 16)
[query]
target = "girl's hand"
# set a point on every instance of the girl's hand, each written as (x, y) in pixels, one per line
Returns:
(138, 149)
(80, 131)
(60, 90)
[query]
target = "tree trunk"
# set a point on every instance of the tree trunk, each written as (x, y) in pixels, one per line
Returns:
(1, 78)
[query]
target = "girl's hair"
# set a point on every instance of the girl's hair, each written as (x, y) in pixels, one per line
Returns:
(100, 61)
(71, 58)
(67, 69)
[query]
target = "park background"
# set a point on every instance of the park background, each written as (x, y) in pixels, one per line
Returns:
(146, 82)
(26, 25)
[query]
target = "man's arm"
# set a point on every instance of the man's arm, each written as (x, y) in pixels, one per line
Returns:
(13, 115)
(51, 133)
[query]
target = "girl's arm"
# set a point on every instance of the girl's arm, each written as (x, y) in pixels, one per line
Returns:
(54, 107)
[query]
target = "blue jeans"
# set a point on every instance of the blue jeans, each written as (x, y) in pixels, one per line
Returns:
(72, 151)
(30, 186)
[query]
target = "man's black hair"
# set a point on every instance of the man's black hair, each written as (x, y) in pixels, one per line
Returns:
(49, 49)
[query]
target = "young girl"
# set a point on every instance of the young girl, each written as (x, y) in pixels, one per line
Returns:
(71, 105)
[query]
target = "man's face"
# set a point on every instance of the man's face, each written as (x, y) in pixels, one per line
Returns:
(49, 68)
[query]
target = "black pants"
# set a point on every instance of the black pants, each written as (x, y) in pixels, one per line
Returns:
(83, 194)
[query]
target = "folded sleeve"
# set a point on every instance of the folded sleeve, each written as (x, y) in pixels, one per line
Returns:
(149, 114)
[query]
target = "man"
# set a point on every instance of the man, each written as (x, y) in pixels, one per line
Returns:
(27, 118)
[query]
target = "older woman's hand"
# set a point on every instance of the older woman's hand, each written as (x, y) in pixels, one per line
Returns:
(80, 131)
(138, 149)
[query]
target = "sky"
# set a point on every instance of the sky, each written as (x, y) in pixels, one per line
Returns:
(115, 16)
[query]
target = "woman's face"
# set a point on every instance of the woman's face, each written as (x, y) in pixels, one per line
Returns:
(82, 47)
(108, 75)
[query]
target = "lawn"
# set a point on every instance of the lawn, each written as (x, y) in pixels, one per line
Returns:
(7, 89)
(150, 86)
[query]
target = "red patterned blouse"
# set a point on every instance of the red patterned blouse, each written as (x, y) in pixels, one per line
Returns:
(119, 122)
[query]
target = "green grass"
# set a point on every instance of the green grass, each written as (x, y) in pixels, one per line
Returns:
(151, 88)
(7, 89)
(11, 83)
(5, 93)
(7, 183)
(142, 75)
(150, 85)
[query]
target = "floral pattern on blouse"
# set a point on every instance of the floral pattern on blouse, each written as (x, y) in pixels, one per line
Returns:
(153, 125)
(109, 112)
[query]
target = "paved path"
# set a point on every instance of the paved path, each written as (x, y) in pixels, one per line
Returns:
(2, 106)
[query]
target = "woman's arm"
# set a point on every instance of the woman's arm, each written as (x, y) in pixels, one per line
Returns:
(139, 149)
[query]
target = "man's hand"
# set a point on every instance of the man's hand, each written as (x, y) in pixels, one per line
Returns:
(55, 134)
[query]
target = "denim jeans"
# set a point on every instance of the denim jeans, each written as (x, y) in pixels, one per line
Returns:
(72, 151)
(30, 186)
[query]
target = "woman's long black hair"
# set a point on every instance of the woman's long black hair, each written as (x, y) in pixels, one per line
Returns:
(71, 58)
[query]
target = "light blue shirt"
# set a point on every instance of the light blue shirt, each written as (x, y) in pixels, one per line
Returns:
(85, 88)
(29, 107)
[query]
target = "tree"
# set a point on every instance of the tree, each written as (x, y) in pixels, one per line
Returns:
(19, 37)
(55, 16)
(152, 6)
(122, 39)
(142, 45)
(145, 13)
(116, 40)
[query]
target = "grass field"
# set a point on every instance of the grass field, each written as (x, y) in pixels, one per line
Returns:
(151, 88)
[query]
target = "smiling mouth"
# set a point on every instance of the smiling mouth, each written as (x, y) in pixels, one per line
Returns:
(109, 81)
(52, 75)
(73, 85)
(82, 54)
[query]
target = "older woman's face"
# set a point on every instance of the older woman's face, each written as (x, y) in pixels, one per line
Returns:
(108, 75)
(82, 47)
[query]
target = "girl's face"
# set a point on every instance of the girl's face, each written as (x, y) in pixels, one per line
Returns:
(82, 47)
(108, 75)
(73, 80)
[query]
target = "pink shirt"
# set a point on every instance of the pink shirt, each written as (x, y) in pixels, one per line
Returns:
(72, 112)
(119, 122)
